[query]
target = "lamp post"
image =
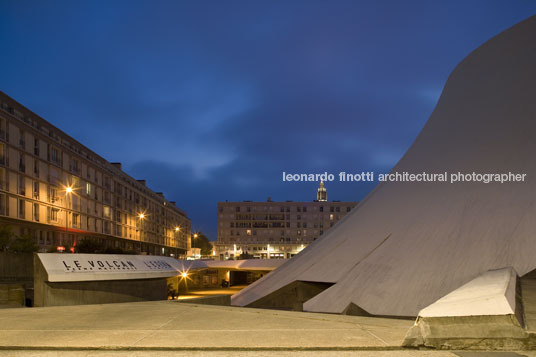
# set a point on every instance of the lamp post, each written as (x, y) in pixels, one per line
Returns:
(195, 235)
(141, 216)
(68, 193)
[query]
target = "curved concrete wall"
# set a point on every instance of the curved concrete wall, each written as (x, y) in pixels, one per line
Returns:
(410, 243)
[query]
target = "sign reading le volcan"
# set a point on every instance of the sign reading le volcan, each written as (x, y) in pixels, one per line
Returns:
(87, 267)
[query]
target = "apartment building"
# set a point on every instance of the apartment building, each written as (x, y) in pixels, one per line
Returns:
(280, 230)
(57, 190)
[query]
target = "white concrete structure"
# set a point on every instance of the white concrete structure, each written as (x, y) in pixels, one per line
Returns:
(100, 267)
(410, 243)
(492, 293)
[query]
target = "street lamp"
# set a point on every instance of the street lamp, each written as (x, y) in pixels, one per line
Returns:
(141, 216)
(195, 237)
(68, 192)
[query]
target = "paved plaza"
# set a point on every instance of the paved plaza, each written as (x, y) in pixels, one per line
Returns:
(165, 328)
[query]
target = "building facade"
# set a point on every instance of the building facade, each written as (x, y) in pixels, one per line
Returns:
(274, 230)
(58, 191)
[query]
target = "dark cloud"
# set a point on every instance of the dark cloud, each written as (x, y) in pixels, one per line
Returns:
(211, 101)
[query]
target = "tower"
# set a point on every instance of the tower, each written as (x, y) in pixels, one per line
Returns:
(321, 194)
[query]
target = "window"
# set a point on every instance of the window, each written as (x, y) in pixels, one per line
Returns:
(22, 185)
(331, 217)
(75, 166)
(88, 189)
(55, 156)
(76, 220)
(22, 209)
(348, 209)
(321, 209)
(331, 209)
(237, 209)
(36, 168)
(298, 209)
(53, 194)
(54, 214)
(2, 155)
(338, 209)
(304, 209)
(22, 143)
(22, 165)
(36, 147)
(36, 212)
(107, 212)
(248, 232)
(36, 190)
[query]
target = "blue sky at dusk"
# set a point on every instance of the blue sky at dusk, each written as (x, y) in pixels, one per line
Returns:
(212, 100)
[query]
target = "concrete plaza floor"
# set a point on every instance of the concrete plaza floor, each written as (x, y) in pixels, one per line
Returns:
(166, 328)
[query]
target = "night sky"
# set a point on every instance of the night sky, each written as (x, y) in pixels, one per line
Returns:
(212, 100)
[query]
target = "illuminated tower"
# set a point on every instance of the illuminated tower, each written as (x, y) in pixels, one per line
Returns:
(321, 194)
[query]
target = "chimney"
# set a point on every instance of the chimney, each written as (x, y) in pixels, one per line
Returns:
(117, 165)
(143, 182)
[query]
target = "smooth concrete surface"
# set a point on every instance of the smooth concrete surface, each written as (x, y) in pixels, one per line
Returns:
(263, 353)
(14, 353)
(407, 244)
(491, 293)
(173, 325)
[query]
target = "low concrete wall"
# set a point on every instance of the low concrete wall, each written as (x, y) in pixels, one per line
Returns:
(12, 295)
(16, 279)
(94, 292)
(16, 267)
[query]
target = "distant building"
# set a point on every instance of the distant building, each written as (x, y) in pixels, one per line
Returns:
(58, 191)
(269, 230)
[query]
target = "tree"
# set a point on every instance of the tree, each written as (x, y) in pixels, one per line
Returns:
(5, 237)
(202, 242)
(246, 255)
(89, 246)
(24, 244)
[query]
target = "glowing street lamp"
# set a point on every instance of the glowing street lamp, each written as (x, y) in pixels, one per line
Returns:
(141, 216)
